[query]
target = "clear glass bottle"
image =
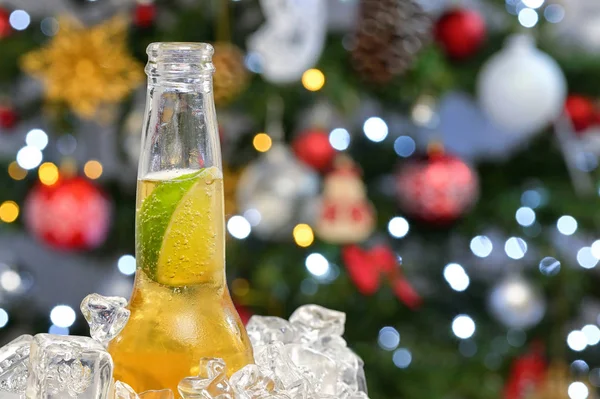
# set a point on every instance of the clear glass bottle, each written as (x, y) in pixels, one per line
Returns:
(181, 309)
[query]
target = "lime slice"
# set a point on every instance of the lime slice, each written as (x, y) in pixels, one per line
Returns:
(177, 227)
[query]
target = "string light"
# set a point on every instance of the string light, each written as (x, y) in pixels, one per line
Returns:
(9, 211)
(92, 169)
(303, 235)
(16, 172)
(262, 142)
(48, 173)
(313, 79)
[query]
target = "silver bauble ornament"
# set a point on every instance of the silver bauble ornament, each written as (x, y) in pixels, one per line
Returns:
(281, 190)
(516, 303)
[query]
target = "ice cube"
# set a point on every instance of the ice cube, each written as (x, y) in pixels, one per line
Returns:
(313, 321)
(162, 394)
(14, 358)
(124, 391)
(320, 370)
(212, 382)
(67, 366)
(106, 316)
(251, 383)
(263, 330)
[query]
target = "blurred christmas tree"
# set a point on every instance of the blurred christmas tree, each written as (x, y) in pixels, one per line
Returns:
(353, 133)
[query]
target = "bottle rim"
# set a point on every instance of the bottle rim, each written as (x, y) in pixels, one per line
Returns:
(179, 58)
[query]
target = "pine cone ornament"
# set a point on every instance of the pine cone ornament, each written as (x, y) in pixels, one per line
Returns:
(389, 35)
(231, 76)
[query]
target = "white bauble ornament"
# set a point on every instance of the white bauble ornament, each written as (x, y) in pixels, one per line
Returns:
(281, 189)
(291, 40)
(521, 88)
(515, 303)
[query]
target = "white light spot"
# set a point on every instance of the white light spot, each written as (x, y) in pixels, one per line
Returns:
(578, 390)
(577, 340)
(533, 3)
(3, 318)
(10, 280)
(398, 227)
(389, 338)
(56, 330)
(515, 248)
(481, 246)
(404, 146)
(402, 358)
(253, 216)
(566, 225)
(528, 17)
(463, 326)
(592, 334)
(239, 227)
(317, 264)
(19, 19)
(37, 138)
(375, 129)
(126, 264)
(531, 198)
(586, 258)
(339, 139)
(554, 13)
(63, 316)
(29, 157)
(525, 216)
(456, 277)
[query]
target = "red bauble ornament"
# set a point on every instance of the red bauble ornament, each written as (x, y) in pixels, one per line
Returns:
(144, 15)
(71, 214)
(5, 28)
(436, 189)
(460, 32)
(526, 376)
(314, 149)
(581, 111)
(8, 117)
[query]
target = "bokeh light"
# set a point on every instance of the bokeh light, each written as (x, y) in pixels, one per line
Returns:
(16, 172)
(126, 264)
(481, 246)
(238, 227)
(303, 235)
(586, 258)
(528, 18)
(402, 358)
(313, 79)
(566, 225)
(10, 280)
(515, 248)
(592, 334)
(398, 227)
(375, 129)
(317, 264)
(92, 169)
(389, 338)
(404, 146)
(456, 277)
(3, 318)
(37, 138)
(525, 216)
(463, 326)
(63, 316)
(48, 173)
(549, 266)
(56, 330)
(19, 19)
(578, 390)
(339, 138)
(554, 13)
(533, 3)
(29, 157)
(262, 142)
(576, 340)
(9, 211)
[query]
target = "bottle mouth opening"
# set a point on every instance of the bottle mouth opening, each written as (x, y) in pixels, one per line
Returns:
(179, 59)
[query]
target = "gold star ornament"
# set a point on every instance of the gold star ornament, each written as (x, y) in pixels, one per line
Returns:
(86, 68)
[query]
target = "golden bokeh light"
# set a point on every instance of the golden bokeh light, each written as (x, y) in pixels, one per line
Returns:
(48, 173)
(262, 142)
(303, 235)
(313, 79)
(9, 211)
(16, 172)
(240, 287)
(92, 169)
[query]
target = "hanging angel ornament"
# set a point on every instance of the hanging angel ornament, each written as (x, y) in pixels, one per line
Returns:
(291, 40)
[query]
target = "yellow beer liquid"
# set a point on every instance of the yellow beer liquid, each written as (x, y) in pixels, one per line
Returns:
(181, 310)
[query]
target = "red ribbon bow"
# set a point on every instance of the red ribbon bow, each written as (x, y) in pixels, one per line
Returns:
(365, 268)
